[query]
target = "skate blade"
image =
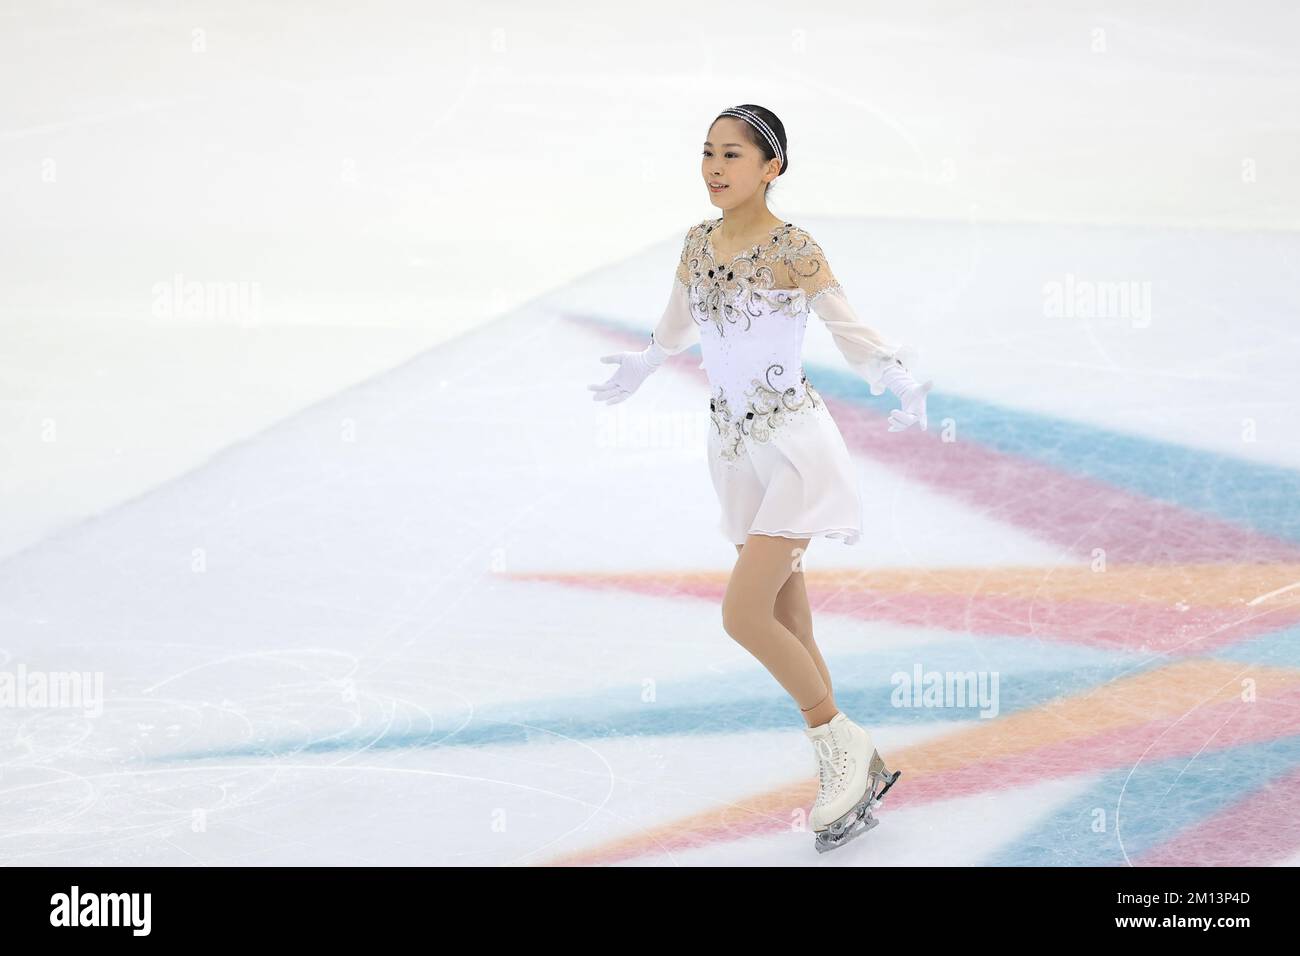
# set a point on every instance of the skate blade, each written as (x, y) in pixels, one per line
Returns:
(878, 772)
(834, 838)
(848, 827)
(889, 782)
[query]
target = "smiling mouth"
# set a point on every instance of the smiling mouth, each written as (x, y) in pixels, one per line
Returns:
(718, 187)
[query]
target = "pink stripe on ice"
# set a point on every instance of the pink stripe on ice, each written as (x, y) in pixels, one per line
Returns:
(1134, 627)
(1210, 728)
(1258, 830)
(1142, 628)
(1073, 512)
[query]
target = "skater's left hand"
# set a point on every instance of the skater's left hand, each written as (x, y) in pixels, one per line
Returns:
(633, 369)
(913, 410)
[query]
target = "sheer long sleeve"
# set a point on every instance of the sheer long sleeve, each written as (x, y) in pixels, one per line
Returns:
(867, 351)
(677, 330)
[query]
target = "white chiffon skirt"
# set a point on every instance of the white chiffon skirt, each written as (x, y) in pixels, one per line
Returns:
(800, 483)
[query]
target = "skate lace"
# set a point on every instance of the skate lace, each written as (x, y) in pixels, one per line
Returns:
(830, 767)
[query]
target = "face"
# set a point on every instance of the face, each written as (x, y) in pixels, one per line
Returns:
(732, 160)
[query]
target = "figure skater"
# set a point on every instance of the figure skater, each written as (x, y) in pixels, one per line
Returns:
(780, 467)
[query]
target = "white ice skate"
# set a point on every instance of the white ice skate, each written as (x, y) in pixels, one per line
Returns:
(851, 783)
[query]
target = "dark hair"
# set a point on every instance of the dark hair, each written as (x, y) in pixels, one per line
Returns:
(759, 140)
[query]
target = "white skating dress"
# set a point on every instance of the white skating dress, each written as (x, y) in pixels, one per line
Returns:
(778, 461)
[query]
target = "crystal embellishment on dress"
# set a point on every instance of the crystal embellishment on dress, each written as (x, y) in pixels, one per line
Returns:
(732, 292)
(770, 407)
(766, 410)
(729, 433)
(751, 313)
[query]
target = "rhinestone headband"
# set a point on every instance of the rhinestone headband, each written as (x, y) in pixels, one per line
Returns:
(754, 120)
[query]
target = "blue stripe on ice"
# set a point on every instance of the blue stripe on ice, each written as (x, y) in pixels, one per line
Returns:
(1276, 649)
(1155, 803)
(1263, 497)
(747, 700)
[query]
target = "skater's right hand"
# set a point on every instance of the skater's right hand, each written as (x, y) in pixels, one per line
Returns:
(911, 394)
(913, 410)
(633, 369)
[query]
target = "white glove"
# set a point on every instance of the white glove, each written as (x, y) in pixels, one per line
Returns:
(633, 369)
(911, 393)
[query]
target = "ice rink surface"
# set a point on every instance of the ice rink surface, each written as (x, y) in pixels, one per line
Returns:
(448, 610)
(443, 618)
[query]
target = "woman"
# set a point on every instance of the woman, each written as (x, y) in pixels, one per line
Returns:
(781, 470)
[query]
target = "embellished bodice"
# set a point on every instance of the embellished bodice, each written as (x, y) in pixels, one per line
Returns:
(750, 313)
(785, 272)
(751, 319)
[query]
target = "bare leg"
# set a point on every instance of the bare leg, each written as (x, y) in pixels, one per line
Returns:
(766, 568)
(793, 610)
